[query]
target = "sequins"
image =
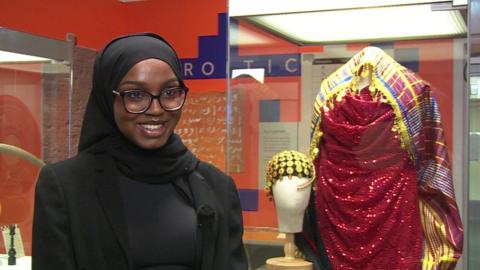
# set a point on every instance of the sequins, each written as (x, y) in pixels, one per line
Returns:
(367, 199)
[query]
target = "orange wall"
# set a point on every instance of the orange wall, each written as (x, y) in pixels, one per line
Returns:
(181, 22)
(95, 22)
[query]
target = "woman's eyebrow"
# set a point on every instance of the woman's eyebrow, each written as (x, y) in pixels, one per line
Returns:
(131, 82)
(141, 83)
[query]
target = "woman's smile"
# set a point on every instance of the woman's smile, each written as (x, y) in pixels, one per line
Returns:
(152, 129)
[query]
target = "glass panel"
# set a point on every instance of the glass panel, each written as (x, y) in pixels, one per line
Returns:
(474, 195)
(273, 86)
(265, 119)
(474, 160)
(34, 113)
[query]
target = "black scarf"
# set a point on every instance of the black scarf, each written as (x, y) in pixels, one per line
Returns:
(99, 131)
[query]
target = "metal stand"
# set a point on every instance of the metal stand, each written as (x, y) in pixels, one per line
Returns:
(12, 259)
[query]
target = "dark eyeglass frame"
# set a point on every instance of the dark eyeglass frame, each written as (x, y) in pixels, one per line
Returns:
(123, 93)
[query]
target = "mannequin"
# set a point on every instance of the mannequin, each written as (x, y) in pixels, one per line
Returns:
(289, 181)
(385, 196)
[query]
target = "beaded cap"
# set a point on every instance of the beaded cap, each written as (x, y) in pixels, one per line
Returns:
(288, 163)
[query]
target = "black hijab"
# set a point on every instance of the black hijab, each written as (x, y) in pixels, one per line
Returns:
(99, 131)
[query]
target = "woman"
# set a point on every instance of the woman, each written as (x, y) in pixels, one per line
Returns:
(135, 197)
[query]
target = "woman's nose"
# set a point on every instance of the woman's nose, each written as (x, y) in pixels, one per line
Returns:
(155, 107)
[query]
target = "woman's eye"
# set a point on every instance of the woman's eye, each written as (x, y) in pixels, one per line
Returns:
(169, 92)
(136, 95)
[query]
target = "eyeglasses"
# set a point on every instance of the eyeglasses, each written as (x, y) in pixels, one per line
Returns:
(139, 101)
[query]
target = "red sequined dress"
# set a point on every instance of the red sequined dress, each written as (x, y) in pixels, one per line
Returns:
(367, 204)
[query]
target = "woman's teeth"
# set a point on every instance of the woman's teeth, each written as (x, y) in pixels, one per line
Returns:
(152, 127)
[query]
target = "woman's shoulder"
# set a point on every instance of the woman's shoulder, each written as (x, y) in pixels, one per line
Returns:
(213, 175)
(207, 169)
(74, 177)
(77, 165)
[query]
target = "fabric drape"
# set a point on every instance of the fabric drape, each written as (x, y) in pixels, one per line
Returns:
(410, 127)
(366, 198)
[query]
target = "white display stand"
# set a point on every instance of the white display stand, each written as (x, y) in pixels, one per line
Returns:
(23, 263)
(291, 195)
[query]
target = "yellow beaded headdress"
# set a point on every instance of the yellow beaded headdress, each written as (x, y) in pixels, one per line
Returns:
(289, 163)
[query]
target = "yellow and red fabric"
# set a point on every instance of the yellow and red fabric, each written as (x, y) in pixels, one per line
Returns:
(384, 193)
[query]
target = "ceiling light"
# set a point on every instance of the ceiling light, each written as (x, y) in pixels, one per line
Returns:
(368, 24)
(254, 7)
(9, 57)
(460, 2)
(246, 36)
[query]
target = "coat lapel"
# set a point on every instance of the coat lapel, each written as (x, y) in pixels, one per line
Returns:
(208, 214)
(108, 192)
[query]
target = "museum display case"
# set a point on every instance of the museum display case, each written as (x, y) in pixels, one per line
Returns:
(472, 111)
(35, 96)
(279, 57)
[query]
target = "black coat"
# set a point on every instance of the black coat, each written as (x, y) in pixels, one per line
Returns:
(78, 220)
